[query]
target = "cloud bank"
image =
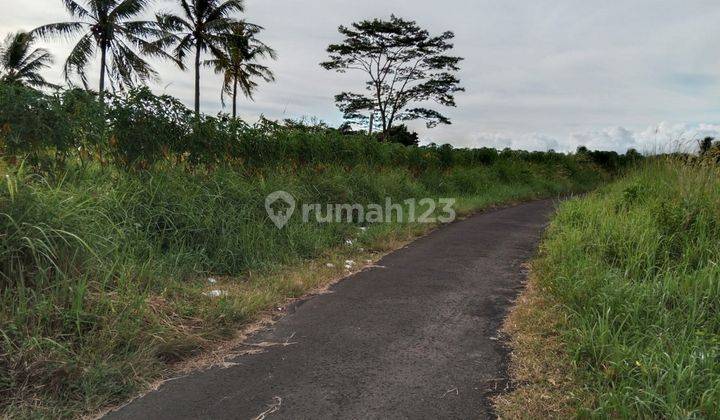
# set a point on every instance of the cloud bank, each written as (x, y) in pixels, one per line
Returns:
(661, 138)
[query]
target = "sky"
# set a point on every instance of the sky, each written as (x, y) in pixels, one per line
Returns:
(538, 74)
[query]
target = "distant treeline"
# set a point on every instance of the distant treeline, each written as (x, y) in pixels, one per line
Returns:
(139, 129)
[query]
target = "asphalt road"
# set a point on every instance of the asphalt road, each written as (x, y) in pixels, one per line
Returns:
(415, 337)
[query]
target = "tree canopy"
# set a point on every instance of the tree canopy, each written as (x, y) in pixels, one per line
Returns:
(108, 27)
(201, 26)
(238, 62)
(19, 63)
(408, 70)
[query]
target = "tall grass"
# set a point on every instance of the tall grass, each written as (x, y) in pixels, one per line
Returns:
(102, 271)
(635, 266)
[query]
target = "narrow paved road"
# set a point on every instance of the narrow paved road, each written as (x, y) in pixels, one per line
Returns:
(413, 338)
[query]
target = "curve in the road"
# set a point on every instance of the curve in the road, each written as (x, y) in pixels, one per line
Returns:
(415, 337)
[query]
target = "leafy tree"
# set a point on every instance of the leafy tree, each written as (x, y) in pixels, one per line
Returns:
(238, 62)
(401, 134)
(202, 26)
(406, 66)
(18, 64)
(108, 29)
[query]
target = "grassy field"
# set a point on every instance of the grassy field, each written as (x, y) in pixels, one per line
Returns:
(626, 300)
(104, 271)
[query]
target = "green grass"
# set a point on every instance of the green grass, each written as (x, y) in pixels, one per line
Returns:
(102, 272)
(635, 268)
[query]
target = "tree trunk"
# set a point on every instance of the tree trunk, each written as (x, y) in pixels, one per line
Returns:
(103, 67)
(234, 97)
(197, 79)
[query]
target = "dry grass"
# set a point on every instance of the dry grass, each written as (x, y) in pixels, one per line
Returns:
(544, 378)
(312, 278)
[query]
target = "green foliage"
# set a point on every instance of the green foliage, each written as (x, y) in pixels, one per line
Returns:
(103, 270)
(145, 128)
(18, 64)
(238, 62)
(401, 134)
(706, 145)
(202, 25)
(406, 68)
(107, 28)
(635, 266)
(113, 213)
(139, 129)
(48, 129)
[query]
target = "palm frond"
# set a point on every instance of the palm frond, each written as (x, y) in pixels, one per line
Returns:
(37, 81)
(63, 29)
(150, 48)
(79, 57)
(224, 10)
(183, 48)
(170, 22)
(128, 67)
(37, 60)
(127, 9)
(75, 9)
(20, 64)
(219, 27)
(188, 9)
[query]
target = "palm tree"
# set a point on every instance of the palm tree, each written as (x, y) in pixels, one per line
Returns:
(238, 62)
(202, 26)
(108, 28)
(18, 64)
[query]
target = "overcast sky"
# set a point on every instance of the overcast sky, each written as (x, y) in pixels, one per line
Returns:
(539, 74)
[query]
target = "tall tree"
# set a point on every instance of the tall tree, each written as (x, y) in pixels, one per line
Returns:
(239, 65)
(107, 28)
(202, 26)
(407, 68)
(19, 63)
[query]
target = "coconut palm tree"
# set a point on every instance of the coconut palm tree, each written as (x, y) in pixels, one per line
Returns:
(19, 63)
(107, 27)
(201, 26)
(238, 62)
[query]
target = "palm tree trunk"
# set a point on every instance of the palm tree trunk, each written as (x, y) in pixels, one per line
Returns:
(103, 65)
(234, 97)
(197, 79)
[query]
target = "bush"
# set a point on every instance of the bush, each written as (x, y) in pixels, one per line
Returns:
(635, 267)
(139, 129)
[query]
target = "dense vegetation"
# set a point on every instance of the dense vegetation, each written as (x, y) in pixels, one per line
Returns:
(138, 129)
(113, 216)
(634, 267)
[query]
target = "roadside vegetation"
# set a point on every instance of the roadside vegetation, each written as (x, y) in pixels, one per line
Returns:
(115, 215)
(625, 294)
(133, 230)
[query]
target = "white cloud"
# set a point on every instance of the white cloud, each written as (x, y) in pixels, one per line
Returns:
(660, 138)
(530, 141)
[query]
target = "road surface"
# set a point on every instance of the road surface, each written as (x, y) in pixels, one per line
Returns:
(415, 337)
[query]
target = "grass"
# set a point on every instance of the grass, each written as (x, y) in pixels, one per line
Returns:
(630, 276)
(545, 383)
(103, 273)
